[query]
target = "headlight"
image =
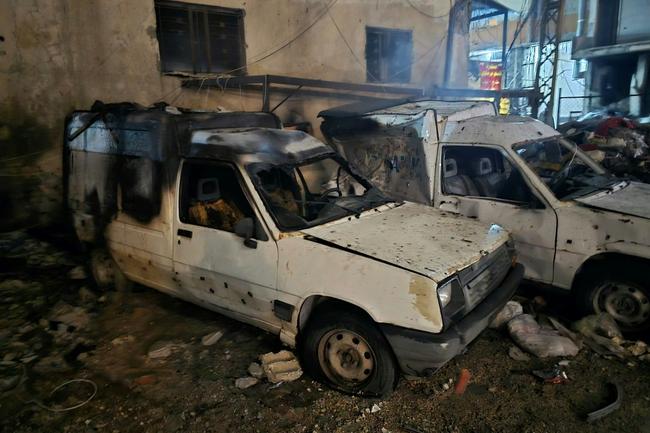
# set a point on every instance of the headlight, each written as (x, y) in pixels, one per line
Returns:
(444, 293)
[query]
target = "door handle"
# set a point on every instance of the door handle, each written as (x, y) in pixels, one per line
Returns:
(184, 233)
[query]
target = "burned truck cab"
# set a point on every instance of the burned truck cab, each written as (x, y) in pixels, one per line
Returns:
(274, 228)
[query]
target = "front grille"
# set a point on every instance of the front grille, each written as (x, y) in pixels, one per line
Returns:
(484, 276)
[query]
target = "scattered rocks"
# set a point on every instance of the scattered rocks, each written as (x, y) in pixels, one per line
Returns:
(638, 348)
(86, 296)
(122, 339)
(76, 317)
(51, 364)
(212, 338)
(246, 382)
(281, 366)
(161, 351)
(77, 273)
(256, 370)
(375, 408)
(8, 383)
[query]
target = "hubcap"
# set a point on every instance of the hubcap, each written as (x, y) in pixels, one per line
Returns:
(628, 304)
(346, 358)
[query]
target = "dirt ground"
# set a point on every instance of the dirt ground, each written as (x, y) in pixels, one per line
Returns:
(193, 388)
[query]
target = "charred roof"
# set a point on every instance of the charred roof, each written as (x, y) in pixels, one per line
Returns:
(256, 144)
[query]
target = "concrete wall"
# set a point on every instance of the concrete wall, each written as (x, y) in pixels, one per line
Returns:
(58, 55)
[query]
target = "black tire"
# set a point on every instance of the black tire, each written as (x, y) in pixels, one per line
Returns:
(619, 290)
(340, 325)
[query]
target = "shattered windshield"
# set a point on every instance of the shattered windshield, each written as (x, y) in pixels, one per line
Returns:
(565, 169)
(305, 194)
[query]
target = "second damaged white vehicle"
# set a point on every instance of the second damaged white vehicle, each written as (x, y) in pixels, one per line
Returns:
(238, 219)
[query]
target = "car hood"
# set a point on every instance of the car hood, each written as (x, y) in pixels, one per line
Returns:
(419, 238)
(630, 200)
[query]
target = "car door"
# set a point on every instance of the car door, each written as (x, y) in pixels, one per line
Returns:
(482, 182)
(214, 264)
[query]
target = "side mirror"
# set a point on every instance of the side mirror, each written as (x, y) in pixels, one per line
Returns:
(245, 228)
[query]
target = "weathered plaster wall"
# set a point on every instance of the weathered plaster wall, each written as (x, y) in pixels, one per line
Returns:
(58, 55)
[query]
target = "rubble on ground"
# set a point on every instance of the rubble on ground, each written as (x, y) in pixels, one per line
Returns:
(281, 366)
(511, 310)
(603, 335)
(212, 338)
(540, 341)
(621, 145)
(246, 382)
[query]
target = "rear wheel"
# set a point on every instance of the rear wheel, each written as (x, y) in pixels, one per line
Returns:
(347, 351)
(626, 297)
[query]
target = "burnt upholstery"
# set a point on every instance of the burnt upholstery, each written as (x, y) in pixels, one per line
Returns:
(487, 180)
(454, 183)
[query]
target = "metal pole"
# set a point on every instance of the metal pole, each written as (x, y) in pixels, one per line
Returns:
(559, 105)
(504, 54)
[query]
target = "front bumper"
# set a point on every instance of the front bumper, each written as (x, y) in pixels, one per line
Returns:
(421, 353)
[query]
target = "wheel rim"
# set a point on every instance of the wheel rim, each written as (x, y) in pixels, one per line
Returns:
(346, 358)
(626, 303)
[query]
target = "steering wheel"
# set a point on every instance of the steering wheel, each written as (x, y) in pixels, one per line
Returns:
(559, 179)
(330, 190)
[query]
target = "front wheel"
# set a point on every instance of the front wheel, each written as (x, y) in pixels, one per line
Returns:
(348, 352)
(626, 297)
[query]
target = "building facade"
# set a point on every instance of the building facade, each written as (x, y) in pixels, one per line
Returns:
(61, 55)
(613, 44)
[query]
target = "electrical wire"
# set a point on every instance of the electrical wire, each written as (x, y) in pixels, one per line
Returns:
(283, 45)
(347, 44)
(66, 409)
(434, 17)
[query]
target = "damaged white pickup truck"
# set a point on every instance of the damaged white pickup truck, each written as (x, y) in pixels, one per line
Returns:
(576, 227)
(228, 211)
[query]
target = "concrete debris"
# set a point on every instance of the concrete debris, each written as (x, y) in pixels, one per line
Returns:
(602, 334)
(212, 338)
(600, 324)
(511, 310)
(256, 370)
(375, 408)
(280, 367)
(123, 339)
(8, 383)
(86, 296)
(517, 354)
(76, 317)
(162, 350)
(638, 348)
(77, 273)
(246, 382)
(539, 341)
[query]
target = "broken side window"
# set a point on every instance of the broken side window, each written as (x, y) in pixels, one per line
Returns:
(198, 39)
(212, 196)
(482, 172)
(388, 55)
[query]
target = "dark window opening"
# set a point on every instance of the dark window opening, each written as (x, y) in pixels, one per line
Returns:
(200, 39)
(388, 55)
(482, 172)
(211, 196)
